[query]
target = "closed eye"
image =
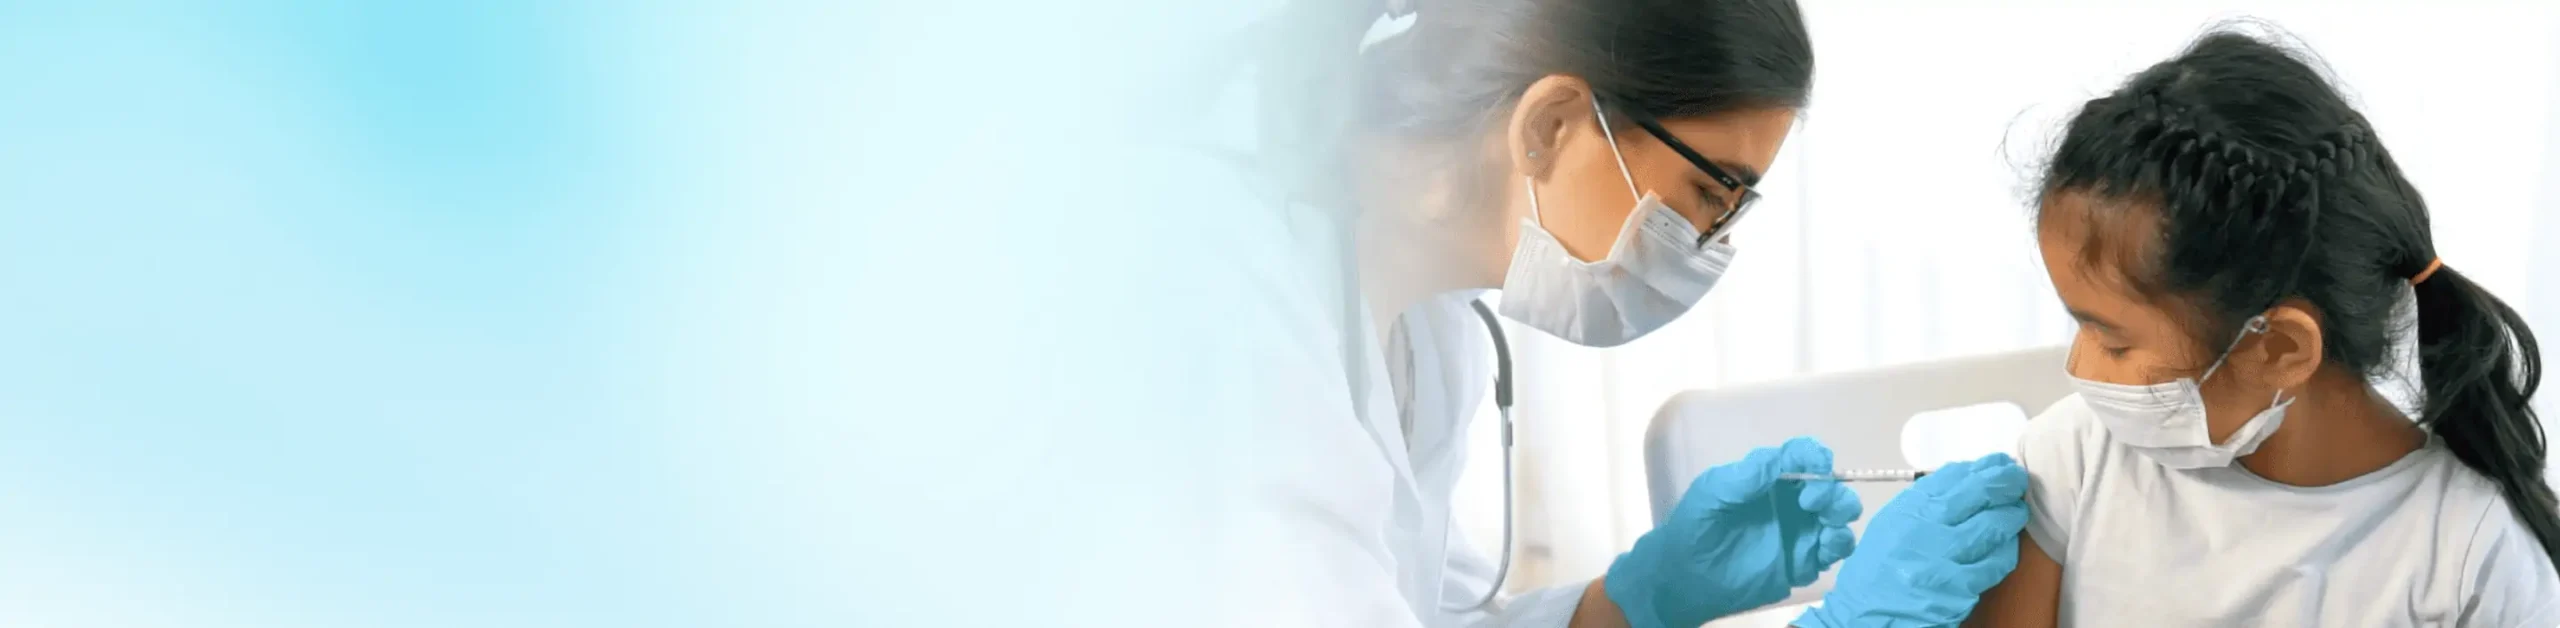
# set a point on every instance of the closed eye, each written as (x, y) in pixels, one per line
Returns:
(1712, 205)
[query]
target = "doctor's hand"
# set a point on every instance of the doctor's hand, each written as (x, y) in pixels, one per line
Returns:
(1931, 552)
(1739, 539)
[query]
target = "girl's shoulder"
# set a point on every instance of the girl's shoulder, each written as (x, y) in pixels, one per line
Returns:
(2508, 578)
(2505, 577)
(2059, 440)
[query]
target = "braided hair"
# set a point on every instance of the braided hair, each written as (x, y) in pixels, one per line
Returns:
(2267, 185)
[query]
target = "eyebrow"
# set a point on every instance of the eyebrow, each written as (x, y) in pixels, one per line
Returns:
(2092, 319)
(1750, 177)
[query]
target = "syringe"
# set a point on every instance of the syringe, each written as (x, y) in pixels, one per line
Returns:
(1857, 475)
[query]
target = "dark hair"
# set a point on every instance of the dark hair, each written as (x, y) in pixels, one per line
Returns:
(1460, 65)
(1463, 61)
(2269, 186)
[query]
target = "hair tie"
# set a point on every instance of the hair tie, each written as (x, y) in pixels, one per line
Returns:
(2422, 275)
(1388, 26)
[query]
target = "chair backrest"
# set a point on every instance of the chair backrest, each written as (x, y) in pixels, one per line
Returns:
(1858, 414)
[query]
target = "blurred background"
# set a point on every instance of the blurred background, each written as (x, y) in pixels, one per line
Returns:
(820, 314)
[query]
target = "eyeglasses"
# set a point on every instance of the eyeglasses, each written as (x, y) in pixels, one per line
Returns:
(1746, 197)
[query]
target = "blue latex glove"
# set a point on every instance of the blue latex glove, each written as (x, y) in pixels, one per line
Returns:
(1739, 539)
(1931, 552)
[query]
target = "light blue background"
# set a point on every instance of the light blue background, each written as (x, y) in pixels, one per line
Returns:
(595, 314)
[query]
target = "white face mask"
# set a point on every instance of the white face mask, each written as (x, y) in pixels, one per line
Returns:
(2166, 421)
(1655, 272)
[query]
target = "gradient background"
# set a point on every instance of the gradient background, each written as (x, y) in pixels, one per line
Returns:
(738, 314)
(488, 313)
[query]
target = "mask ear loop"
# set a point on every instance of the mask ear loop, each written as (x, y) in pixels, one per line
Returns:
(1629, 175)
(1531, 184)
(2256, 325)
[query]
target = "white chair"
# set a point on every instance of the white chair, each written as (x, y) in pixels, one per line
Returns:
(1858, 414)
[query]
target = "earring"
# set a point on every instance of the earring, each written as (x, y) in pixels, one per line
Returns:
(1533, 154)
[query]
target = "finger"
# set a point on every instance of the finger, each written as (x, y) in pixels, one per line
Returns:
(1831, 503)
(1987, 483)
(1995, 459)
(1804, 561)
(1988, 532)
(2007, 479)
(1835, 546)
(1947, 475)
(1742, 482)
(1811, 554)
(1803, 454)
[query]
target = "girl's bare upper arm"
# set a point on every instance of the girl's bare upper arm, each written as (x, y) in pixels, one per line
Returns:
(2031, 597)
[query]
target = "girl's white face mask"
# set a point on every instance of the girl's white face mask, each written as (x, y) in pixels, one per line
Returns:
(1655, 272)
(2166, 421)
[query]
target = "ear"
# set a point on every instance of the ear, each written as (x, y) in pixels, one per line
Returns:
(1548, 111)
(2290, 351)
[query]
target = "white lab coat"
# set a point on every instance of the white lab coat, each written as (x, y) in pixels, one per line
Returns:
(1343, 515)
(1440, 360)
(1345, 519)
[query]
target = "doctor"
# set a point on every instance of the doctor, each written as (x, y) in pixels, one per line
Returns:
(1591, 159)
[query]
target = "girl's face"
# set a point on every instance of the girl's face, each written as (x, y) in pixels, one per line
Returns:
(2126, 337)
(2122, 338)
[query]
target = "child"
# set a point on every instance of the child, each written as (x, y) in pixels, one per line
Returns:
(2233, 239)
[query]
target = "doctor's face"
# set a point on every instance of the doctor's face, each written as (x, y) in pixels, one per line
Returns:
(1582, 193)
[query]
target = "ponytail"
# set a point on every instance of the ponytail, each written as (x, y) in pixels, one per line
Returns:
(2481, 367)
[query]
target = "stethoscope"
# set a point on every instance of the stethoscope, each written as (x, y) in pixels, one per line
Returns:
(1501, 402)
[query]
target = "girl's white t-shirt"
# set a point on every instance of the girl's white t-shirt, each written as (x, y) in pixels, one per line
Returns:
(2425, 541)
